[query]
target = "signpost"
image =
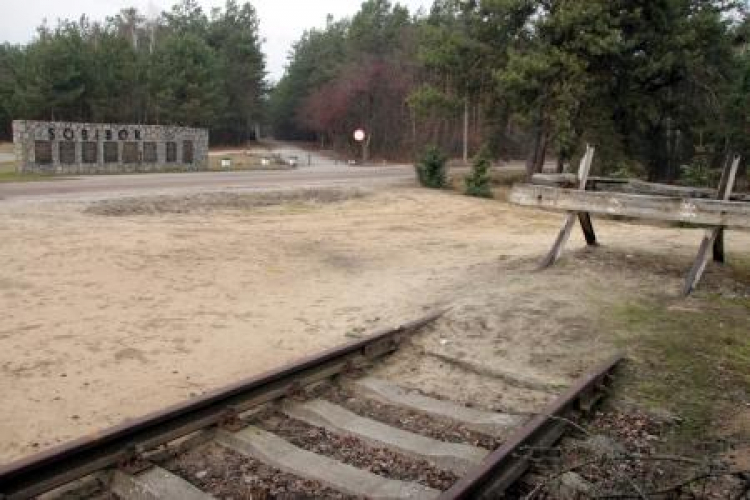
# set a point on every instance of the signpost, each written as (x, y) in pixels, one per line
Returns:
(359, 136)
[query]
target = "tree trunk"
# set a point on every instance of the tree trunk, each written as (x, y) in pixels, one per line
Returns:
(466, 131)
(657, 155)
(535, 160)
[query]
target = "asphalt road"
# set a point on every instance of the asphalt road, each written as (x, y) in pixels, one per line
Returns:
(321, 173)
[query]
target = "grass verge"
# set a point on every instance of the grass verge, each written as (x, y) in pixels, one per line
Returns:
(8, 174)
(690, 358)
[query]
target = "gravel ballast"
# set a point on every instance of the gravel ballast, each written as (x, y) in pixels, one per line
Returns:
(355, 452)
(226, 474)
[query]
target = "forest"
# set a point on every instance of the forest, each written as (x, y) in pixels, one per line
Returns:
(661, 87)
(185, 67)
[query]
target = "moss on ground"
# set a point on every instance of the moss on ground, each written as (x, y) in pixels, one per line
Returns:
(691, 358)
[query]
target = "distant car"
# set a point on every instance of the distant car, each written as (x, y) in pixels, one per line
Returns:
(292, 161)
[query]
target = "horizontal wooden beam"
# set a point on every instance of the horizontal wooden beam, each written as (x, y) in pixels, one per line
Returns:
(632, 186)
(700, 212)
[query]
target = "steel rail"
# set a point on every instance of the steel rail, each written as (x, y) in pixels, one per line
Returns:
(42, 472)
(503, 467)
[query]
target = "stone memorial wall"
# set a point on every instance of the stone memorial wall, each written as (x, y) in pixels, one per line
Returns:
(96, 148)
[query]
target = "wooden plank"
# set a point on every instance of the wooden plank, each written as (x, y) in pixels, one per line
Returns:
(564, 234)
(584, 217)
(692, 211)
(701, 261)
(632, 186)
(588, 228)
(555, 180)
(154, 484)
(635, 186)
(585, 168)
(726, 185)
(456, 457)
(276, 452)
(718, 248)
(571, 180)
(714, 238)
(557, 247)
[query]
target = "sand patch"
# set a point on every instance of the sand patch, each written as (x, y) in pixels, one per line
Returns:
(107, 318)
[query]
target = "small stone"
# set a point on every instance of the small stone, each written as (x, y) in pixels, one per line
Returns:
(202, 474)
(604, 446)
(571, 486)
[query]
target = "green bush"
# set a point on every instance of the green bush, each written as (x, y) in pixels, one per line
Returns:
(431, 168)
(626, 169)
(699, 174)
(478, 182)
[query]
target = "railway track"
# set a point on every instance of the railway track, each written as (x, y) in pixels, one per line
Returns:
(318, 428)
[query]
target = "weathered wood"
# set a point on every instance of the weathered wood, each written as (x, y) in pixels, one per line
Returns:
(692, 211)
(564, 234)
(572, 180)
(718, 248)
(701, 261)
(584, 217)
(632, 186)
(557, 247)
(588, 228)
(585, 168)
(726, 185)
(636, 186)
(555, 180)
(728, 177)
(641, 187)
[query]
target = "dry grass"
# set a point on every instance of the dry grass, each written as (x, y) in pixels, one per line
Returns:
(8, 174)
(211, 202)
(502, 178)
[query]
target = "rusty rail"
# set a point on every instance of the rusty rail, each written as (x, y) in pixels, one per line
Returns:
(504, 466)
(58, 466)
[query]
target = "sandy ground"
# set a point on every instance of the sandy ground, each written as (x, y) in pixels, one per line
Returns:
(111, 309)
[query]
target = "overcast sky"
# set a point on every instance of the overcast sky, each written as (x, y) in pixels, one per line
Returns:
(281, 21)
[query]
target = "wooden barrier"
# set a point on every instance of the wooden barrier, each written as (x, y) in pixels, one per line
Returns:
(581, 195)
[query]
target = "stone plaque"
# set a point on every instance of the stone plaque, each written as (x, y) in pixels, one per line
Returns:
(187, 151)
(171, 152)
(130, 152)
(74, 148)
(149, 153)
(43, 152)
(89, 152)
(111, 153)
(68, 153)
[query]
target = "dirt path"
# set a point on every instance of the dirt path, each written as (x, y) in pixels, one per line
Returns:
(110, 316)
